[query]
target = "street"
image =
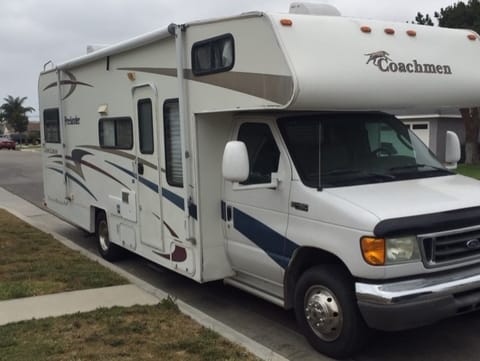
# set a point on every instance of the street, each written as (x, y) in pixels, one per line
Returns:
(453, 339)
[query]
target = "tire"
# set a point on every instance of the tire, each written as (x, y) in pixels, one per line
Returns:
(327, 313)
(109, 251)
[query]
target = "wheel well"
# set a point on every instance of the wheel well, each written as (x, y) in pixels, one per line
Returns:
(94, 212)
(303, 259)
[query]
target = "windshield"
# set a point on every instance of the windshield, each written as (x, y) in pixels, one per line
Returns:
(355, 149)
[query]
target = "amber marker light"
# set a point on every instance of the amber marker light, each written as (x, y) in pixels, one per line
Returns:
(411, 33)
(286, 22)
(131, 76)
(373, 250)
(366, 29)
(472, 37)
(389, 31)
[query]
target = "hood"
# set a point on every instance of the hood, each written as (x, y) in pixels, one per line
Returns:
(401, 199)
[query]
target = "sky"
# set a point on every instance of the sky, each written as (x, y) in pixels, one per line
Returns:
(32, 32)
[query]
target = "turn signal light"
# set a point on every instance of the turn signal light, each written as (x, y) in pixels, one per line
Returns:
(411, 33)
(373, 250)
(472, 37)
(389, 31)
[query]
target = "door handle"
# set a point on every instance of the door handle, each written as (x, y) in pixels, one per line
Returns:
(140, 168)
(300, 206)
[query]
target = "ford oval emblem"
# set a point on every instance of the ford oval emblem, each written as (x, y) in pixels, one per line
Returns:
(473, 244)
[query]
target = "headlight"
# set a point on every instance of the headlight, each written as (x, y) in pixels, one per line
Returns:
(389, 251)
(400, 250)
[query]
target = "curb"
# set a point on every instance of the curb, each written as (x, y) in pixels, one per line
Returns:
(202, 318)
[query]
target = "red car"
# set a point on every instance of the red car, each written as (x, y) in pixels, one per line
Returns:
(7, 143)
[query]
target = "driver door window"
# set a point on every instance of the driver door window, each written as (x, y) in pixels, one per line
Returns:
(263, 153)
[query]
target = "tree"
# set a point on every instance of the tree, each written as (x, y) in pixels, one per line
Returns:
(464, 16)
(423, 19)
(15, 114)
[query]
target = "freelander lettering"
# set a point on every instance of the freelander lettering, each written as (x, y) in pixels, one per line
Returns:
(382, 61)
(72, 120)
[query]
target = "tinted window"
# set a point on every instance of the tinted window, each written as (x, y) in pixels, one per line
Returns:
(145, 125)
(213, 55)
(173, 145)
(263, 153)
(51, 125)
(115, 133)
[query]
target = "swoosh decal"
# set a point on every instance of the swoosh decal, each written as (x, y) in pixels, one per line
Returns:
(279, 248)
(273, 87)
(73, 82)
(178, 255)
(74, 180)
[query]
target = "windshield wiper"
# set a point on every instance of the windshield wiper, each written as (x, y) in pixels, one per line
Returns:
(417, 166)
(363, 174)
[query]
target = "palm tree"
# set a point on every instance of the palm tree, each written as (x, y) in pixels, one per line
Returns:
(15, 114)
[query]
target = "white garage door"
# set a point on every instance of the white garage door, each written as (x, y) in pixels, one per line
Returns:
(421, 129)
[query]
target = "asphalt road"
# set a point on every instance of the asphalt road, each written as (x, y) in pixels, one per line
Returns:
(453, 339)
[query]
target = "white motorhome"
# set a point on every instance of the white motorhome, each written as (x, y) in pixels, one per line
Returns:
(255, 149)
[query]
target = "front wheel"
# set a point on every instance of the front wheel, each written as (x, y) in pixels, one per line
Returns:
(109, 251)
(327, 311)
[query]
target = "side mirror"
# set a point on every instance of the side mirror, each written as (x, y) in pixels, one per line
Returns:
(452, 150)
(235, 164)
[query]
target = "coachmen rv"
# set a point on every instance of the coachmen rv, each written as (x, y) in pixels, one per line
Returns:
(258, 150)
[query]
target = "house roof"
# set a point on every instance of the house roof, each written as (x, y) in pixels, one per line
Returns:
(423, 113)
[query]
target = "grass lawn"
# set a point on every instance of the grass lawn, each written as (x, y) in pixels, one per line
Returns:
(469, 170)
(33, 263)
(137, 333)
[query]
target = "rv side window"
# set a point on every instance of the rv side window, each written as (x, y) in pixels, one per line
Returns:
(263, 153)
(115, 133)
(173, 145)
(51, 125)
(145, 125)
(213, 55)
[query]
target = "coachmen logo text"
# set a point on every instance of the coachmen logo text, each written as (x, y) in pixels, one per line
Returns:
(381, 59)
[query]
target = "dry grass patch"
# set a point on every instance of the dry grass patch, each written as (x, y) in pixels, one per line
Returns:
(33, 263)
(137, 333)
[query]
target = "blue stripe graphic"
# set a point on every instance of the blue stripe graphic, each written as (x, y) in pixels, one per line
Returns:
(172, 197)
(75, 180)
(278, 247)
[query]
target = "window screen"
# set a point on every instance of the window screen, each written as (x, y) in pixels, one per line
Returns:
(213, 55)
(173, 146)
(145, 125)
(115, 133)
(263, 153)
(51, 125)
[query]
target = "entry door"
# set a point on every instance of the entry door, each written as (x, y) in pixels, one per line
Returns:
(255, 213)
(54, 179)
(148, 180)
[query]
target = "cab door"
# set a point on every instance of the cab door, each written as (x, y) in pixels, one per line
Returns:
(147, 170)
(256, 211)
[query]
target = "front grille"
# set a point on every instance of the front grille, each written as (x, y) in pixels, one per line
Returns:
(451, 247)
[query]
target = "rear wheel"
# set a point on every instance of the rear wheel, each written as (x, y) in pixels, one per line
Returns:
(327, 311)
(108, 250)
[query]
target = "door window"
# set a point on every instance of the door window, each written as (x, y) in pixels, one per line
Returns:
(263, 153)
(173, 144)
(145, 125)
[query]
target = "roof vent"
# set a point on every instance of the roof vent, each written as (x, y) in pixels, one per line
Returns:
(314, 9)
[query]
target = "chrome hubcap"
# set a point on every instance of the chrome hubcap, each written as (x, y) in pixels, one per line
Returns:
(323, 313)
(103, 236)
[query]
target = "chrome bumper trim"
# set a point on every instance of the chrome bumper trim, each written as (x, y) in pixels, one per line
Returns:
(419, 289)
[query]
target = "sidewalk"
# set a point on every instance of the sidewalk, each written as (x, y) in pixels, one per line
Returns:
(66, 303)
(140, 292)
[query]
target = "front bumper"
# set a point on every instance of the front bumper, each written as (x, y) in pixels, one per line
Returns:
(417, 302)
